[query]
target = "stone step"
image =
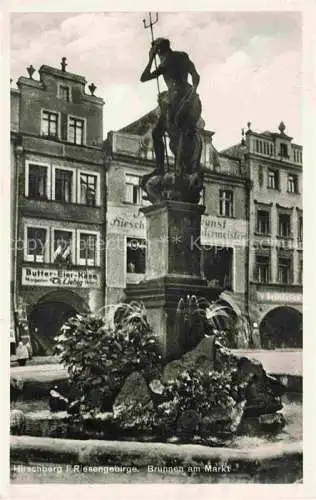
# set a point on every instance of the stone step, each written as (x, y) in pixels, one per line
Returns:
(255, 465)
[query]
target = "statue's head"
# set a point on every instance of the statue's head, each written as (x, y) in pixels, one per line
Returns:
(162, 45)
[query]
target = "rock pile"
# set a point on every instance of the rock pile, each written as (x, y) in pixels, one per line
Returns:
(210, 392)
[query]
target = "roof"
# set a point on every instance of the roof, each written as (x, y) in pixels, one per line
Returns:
(235, 152)
(268, 133)
(62, 74)
(272, 135)
(142, 124)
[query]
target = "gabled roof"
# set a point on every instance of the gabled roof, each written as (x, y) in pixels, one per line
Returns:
(235, 152)
(141, 125)
(144, 123)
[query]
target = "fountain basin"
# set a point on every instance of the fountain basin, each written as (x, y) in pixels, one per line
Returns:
(271, 463)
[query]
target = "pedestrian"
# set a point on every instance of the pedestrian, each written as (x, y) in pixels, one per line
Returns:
(130, 267)
(27, 343)
(22, 353)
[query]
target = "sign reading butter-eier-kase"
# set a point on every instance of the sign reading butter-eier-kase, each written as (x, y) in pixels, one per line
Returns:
(60, 277)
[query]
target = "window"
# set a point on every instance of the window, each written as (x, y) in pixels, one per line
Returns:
(88, 189)
(63, 185)
(133, 191)
(284, 271)
(226, 203)
(260, 175)
(37, 182)
(218, 267)
(76, 131)
(208, 154)
(283, 150)
(35, 245)
(136, 255)
(297, 156)
(273, 179)
(262, 268)
(49, 126)
(284, 225)
(62, 251)
(292, 183)
(300, 271)
(263, 222)
(88, 250)
(64, 93)
(202, 196)
(300, 227)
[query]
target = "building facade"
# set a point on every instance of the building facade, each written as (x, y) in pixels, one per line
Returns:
(224, 232)
(79, 236)
(274, 164)
(58, 201)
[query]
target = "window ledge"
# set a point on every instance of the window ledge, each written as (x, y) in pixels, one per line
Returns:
(280, 237)
(257, 282)
(276, 284)
(51, 137)
(130, 203)
(42, 198)
(61, 267)
(226, 216)
(274, 189)
(262, 234)
(293, 192)
(74, 143)
(62, 202)
(273, 283)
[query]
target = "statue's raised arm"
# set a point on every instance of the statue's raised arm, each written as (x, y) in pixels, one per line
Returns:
(147, 73)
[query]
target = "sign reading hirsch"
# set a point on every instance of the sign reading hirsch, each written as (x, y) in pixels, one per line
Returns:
(60, 277)
(126, 221)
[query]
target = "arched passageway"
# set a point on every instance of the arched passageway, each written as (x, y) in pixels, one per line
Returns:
(281, 328)
(48, 315)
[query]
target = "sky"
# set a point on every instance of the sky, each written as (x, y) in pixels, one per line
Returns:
(249, 63)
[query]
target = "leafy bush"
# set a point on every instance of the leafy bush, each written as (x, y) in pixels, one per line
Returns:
(231, 331)
(100, 357)
(193, 397)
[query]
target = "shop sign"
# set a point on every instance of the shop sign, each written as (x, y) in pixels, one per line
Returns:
(126, 220)
(60, 277)
(280, 297)
(223, 231)
(214, 230)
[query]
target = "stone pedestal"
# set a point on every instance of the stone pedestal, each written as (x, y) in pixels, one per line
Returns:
(173, 240)
(173, 268)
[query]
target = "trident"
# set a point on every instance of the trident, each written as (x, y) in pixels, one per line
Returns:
(150, 25)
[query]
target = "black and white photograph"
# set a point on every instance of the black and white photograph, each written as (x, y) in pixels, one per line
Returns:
(156, 257)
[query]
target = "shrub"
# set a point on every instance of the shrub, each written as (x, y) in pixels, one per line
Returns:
(99, 357)
(209, 397)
